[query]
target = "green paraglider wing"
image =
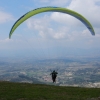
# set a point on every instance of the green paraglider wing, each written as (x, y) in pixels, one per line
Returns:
(52, 9)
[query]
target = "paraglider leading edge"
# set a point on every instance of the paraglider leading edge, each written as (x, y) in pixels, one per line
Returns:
(52, 9)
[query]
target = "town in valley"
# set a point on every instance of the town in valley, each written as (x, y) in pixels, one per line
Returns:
(72, 71)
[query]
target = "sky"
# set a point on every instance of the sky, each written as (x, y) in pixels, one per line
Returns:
(49, 34)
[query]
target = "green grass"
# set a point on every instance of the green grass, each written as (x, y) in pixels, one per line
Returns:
(25, 91)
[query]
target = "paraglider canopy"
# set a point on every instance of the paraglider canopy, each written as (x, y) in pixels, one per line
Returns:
(52, 9)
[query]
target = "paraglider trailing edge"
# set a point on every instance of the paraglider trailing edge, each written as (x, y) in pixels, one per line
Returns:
(51, 9)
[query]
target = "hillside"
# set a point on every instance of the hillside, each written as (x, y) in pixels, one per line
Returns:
(26, 91)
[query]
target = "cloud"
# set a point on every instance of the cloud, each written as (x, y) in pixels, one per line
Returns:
(89, 9)
(5, 43)
(67, 29)
(5, 40)
(64, 18)
(5, 17)
(54, 2)
(45, 28)
(13, 44)
(55, 32)
(61, 35)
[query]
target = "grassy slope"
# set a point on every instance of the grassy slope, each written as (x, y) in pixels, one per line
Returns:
(25, 91)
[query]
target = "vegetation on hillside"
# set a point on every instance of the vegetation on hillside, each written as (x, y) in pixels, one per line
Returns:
(26, 91)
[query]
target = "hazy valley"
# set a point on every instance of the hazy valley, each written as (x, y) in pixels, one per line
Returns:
(81, 71)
